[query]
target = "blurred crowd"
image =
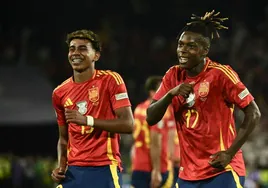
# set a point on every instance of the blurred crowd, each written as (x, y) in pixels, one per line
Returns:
(136, 47)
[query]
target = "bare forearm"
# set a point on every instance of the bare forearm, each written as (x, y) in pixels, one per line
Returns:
(251, 120)
(62, 153)
(156, 110)
(155, 152)
(115, 125)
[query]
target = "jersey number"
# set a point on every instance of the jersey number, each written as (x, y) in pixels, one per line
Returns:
(86, 129)
(188, 115)
(142, 127)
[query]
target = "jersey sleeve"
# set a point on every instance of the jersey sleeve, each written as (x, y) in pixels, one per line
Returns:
(59, 110)
(234, 91)
(165, 85)
(118, 92)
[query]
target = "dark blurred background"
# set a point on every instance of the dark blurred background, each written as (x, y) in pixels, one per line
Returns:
(139, 40)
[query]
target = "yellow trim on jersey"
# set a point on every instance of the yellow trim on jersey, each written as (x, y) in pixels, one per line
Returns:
(103, 72)
(113, 169)
(231, 129)
(120, 79)
(62, 84)
(68, 102)
(177, 185)
(59, 186)
(115, 75)
(228, 72)
(110, 151)
(229, 167)
(170, 177)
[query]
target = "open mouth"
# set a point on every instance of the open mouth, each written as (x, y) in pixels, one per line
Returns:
(77, 61)
(183, 60)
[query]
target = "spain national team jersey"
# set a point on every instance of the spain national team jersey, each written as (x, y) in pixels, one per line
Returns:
(205, 121)
(98, 97)
(141, 159)
(176, 153)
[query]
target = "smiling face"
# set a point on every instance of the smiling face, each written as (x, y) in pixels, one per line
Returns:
(192, 49)
(81, 55)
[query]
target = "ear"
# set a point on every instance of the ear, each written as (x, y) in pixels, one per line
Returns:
(97, 56)
(205, 50)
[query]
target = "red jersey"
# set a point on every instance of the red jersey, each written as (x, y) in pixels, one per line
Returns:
(141, 159)
(176, 154)
(98, 97)
(205, 123)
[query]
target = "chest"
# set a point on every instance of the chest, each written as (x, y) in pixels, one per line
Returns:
(206, 92)
(85, 97)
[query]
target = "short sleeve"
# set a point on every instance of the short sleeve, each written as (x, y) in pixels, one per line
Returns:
(59, 110)
(165, 85)
(118, 91)
(234, 91)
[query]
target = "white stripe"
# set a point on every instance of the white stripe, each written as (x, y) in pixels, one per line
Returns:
(121, 96)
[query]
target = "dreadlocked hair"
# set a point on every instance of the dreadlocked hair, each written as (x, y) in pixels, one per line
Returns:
(207, 25)
(85, 34)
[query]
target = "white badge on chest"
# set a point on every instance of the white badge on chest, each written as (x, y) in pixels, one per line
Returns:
(82, 107)
(190, 100)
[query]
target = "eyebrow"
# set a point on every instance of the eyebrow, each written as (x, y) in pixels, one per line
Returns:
(82, 45)
(188, 43)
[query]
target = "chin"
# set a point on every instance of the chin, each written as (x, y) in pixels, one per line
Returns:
(184, 65)
(79, 68)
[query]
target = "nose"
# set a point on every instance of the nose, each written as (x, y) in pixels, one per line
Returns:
(182, 49)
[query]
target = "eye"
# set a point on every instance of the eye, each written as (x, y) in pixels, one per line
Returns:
(180, 45)
(83, 48)
(192, 46)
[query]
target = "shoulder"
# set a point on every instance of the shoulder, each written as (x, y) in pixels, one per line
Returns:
(172, 72)
(110, 76)
(62, 86)
(173, 69)
(223, 71)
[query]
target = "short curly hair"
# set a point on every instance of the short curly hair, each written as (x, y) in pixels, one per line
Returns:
(85, 34)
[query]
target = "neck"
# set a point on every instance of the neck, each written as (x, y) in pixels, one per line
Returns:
(196, 69)
(80, 77)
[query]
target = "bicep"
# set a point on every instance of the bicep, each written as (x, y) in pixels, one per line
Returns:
(251, 108)
(234, 91)
(124, 113)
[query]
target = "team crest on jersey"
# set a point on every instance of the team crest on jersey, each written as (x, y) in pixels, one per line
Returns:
(203, 89)
(93, 94)
(82, 107)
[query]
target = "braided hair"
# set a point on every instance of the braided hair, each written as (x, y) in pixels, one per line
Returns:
(207, 25)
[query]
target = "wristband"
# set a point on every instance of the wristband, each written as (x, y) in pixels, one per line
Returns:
(90, 121)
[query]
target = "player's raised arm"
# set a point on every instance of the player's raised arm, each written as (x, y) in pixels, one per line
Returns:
(164, 96)
(123, 123)
(160, 101)
(236, 92)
